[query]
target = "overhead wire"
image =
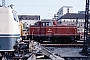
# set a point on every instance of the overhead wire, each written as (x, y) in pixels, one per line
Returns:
(47, 5)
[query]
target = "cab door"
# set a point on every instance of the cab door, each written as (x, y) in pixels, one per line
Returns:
(43, 29)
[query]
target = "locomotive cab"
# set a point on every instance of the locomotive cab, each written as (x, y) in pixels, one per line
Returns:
(43, 23)
(9, 29)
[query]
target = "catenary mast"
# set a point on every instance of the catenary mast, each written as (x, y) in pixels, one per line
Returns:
(86, 29)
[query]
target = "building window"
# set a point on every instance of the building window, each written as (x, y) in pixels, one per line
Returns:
(25, 18)
(68, 20)
(32, 18)
(81, 24)
(81, 37)
(29, 18)
(36, 18)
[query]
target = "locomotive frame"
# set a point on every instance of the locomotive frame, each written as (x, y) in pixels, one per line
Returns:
(51, 32)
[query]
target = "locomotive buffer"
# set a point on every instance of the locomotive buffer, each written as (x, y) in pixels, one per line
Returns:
(86, 48)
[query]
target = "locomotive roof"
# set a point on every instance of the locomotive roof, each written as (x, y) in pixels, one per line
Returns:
(65, 25)
(73, 16)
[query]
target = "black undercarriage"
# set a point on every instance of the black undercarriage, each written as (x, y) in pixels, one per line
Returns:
(54, 39)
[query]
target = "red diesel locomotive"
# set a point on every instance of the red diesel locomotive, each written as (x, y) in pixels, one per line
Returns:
(53, 33)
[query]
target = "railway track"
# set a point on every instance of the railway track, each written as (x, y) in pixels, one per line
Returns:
(62, 45)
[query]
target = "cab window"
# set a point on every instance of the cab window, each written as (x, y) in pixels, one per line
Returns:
(15, 16)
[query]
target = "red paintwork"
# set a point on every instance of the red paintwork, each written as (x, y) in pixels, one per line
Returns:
(60, 30)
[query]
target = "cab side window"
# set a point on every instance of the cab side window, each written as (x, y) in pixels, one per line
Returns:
(15, 16)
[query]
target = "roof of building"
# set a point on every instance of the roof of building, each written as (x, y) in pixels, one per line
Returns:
(68, 6)
(73, 16)
(29, 17)
(46, 20)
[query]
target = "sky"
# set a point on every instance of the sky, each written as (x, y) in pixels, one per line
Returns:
(45, 8)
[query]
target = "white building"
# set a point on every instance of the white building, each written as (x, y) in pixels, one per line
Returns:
(74, 19)
(63, 10)
(29, 19)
